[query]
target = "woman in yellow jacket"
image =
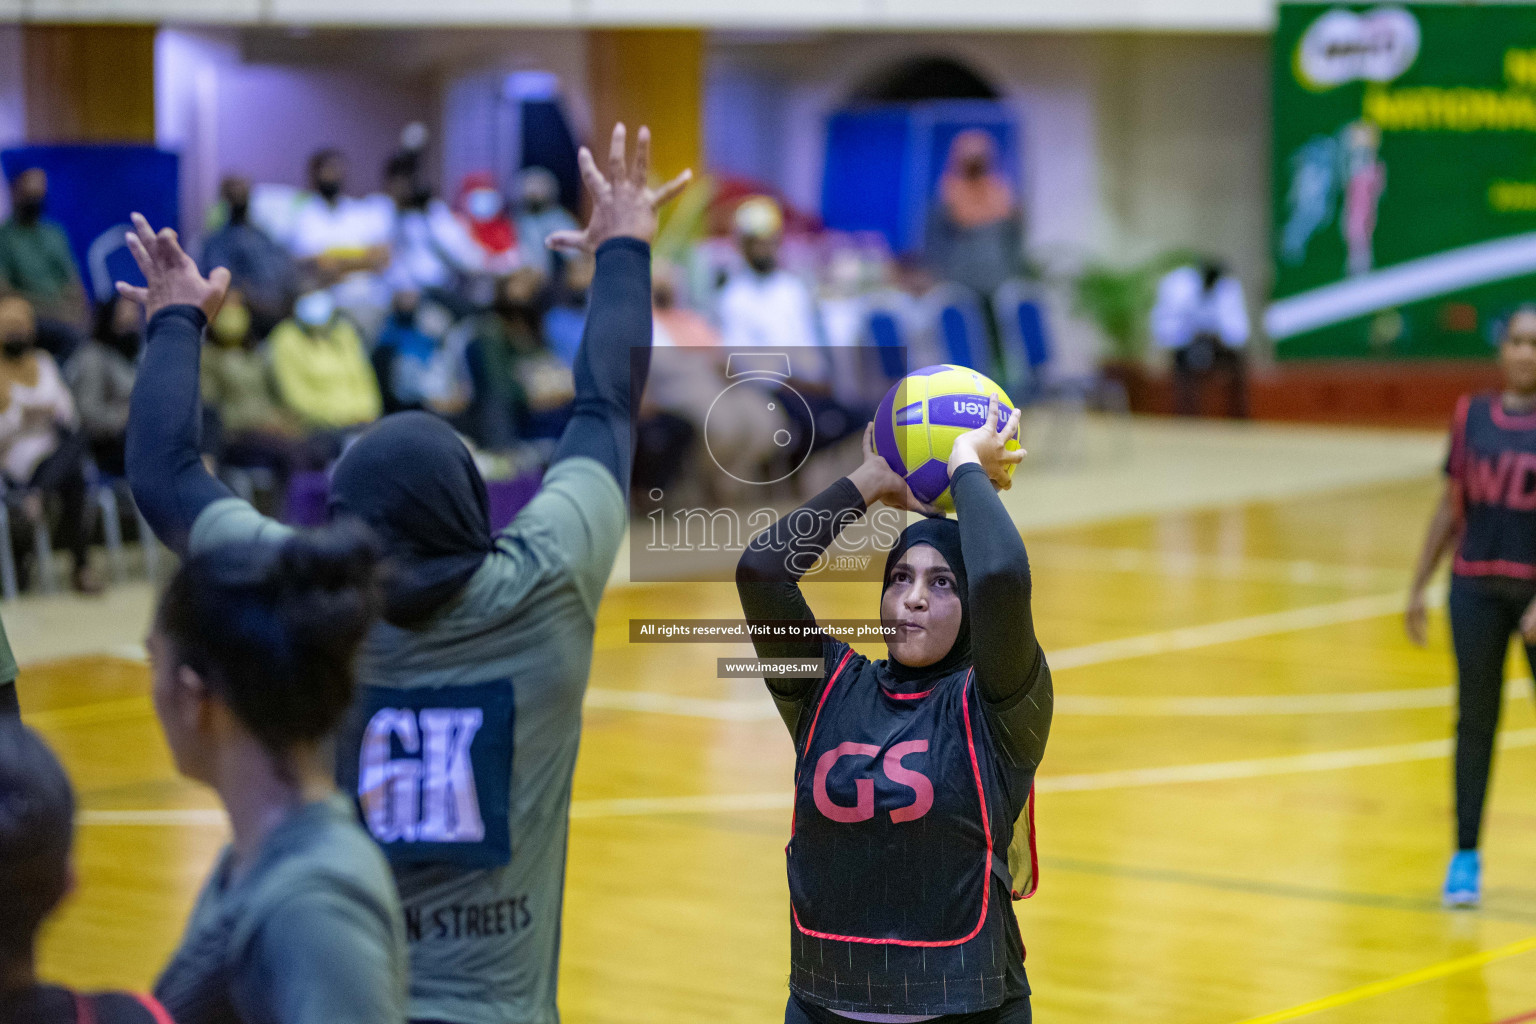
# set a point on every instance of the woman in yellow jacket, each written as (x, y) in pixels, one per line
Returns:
(321, 370)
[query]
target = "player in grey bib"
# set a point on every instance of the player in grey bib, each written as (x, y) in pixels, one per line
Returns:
(462, 744)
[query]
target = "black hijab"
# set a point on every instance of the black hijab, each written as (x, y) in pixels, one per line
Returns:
(943, 535)
(415, 484)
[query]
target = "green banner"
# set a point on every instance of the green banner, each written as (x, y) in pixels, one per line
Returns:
(1404, 178)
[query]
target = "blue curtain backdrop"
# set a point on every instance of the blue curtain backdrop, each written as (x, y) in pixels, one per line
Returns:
(92, 189)
(884, 161)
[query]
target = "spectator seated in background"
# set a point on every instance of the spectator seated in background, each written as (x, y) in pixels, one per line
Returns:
(482, 209)
(343, 242)
(39, 446)
(539, 215)
(522, 390)
(37, 264)
(417, 370)
(686, 381)
(322, 374)
(763, 305)
(251, 429)
(1201, 317)
(432, 250)
(975, 231)
(260, 268)
(101, 376)
(37, 833)
(674, 324)
(566, 318)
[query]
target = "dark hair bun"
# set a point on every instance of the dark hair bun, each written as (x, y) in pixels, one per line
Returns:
(274, 629)
(344, 556)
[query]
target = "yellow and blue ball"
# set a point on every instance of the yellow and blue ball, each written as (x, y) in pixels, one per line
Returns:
(922, 415)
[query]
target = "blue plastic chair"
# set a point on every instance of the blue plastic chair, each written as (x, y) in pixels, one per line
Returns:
(887, 328)
(954, 314)
(1027, 351)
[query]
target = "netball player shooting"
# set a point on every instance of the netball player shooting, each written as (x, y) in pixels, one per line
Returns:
(1487, 515)
(462, 743)
(912, 773)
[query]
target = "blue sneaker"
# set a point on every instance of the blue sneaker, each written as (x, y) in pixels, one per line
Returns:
(1464, 880)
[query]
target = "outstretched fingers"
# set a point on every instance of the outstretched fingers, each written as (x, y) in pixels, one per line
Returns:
(170, 253)
(590, 175)
(142, 232)
(133, 293)
(140, 253)
(616, 146)
(640, 172)
(670, 191)
(218, 282)
(566, 240)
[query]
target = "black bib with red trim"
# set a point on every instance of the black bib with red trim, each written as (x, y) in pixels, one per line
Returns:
(900, 837)
(1493, 465)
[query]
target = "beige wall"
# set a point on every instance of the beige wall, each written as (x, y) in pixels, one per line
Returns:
(1133, 143)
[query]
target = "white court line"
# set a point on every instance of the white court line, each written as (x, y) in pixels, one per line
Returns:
(755, 709)
(1129, 778)
(176, 816)
(1356, 609)
(1257, 767)
(1187, 638)
(1189, 564)
(745, 709)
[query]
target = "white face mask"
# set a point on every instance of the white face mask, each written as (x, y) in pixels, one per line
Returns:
(483, 203)
(315, 309)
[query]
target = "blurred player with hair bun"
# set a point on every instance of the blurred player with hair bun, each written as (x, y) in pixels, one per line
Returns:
(253, 653)
(462, 742)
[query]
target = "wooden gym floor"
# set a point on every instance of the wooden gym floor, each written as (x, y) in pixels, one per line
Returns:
(1244, 810)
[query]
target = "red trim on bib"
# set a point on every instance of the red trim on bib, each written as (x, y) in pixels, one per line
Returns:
(1507, 420)
(1497, 567)
(986, 828)
(812, 733)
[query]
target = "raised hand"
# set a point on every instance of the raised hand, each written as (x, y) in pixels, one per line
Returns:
(986, 446)
(877, 481)
(172, 278)
(623, 204)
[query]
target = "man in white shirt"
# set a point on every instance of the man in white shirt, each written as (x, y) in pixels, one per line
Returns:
(344, 241)
(764, 306)
(1201, 317)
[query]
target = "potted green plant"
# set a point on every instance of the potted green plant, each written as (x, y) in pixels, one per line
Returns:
(1119, 301)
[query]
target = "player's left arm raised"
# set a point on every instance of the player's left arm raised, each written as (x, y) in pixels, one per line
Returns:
(1011, 672)
(619, 233)
(165, 470)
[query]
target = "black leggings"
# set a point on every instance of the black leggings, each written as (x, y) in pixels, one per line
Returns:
(63, 474)
(1198, 362)
(1013, 1012)
(1483, 615)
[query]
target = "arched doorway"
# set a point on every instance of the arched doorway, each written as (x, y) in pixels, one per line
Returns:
(888, 145)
